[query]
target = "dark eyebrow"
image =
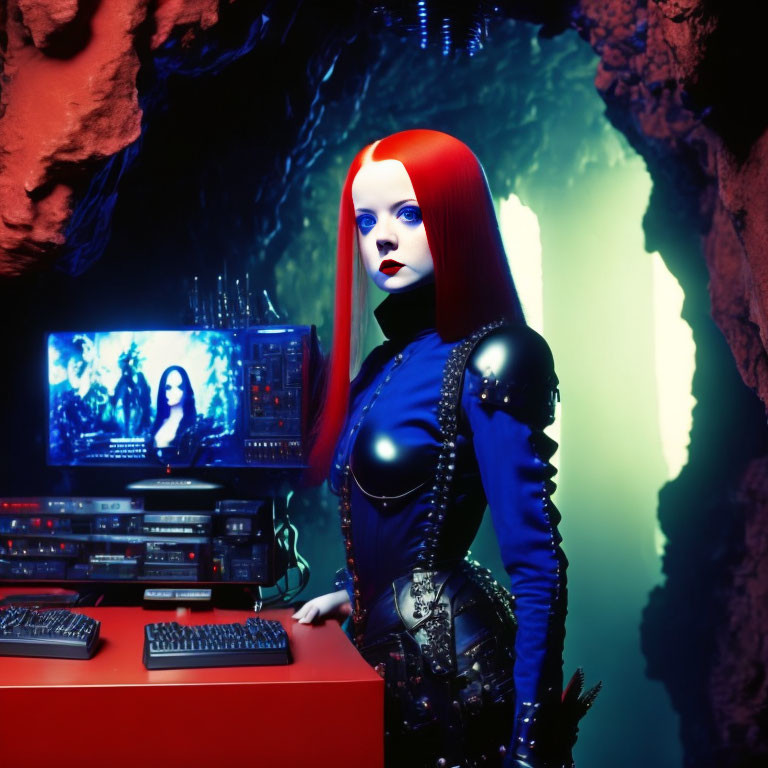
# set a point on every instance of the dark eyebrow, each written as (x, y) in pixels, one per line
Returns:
(392, 207)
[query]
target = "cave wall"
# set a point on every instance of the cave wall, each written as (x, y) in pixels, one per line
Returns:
(69, 102)
(672, 77)
(84, 89)
(670, 71)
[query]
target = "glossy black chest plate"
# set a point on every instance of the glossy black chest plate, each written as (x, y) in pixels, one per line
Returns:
(394, 437)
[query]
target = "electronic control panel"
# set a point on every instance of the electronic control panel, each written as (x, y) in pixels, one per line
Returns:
(276, 381)
(117, 540)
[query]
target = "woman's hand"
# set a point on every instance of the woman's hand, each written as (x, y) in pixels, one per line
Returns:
(335, 604)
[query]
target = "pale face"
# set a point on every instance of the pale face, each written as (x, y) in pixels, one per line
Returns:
(174, 394)
(390, 233)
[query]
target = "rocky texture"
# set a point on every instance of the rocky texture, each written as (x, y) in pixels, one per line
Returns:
(734, 300)
(169, 14)
(738, 681)
(45, 19)
(59, 117)
(69, 103)
(743, 312)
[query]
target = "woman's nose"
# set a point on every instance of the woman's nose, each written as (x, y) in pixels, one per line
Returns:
(386, 239)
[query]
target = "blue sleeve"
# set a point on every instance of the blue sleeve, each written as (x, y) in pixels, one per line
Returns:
(516, 476)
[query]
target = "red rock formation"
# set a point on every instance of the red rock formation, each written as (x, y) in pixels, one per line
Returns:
(63, 113)
(44, 19)
(172, 13)
(743, 192)
(734, 301)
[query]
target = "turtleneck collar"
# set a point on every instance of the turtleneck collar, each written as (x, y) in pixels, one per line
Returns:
(402, 315)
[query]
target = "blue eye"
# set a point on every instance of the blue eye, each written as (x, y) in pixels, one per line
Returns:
(410, 214)
(366, 222)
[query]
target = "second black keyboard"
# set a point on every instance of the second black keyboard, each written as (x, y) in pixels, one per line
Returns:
(169, 645)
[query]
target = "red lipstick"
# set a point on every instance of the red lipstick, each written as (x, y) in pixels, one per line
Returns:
(390, 267)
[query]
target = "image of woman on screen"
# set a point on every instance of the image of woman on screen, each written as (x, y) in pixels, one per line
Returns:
(176, 415)
(444, 417)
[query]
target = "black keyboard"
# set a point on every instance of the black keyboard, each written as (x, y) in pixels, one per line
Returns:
(258, 642)
(58, 633)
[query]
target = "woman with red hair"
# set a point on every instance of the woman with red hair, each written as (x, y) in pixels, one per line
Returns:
(444, 417)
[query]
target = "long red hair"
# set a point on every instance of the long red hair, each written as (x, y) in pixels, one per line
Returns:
(473, 285)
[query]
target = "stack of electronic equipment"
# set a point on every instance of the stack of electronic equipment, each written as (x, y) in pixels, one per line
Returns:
(244, 396)
(116, 540)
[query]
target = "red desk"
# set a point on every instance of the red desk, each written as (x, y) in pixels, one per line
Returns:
(325, 709)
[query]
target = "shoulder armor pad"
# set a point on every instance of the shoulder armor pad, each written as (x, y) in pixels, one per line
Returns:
(512, 368)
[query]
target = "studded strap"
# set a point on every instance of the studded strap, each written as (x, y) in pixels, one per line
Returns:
(448, 420)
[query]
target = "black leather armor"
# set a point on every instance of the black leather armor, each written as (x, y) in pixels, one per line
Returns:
(427, 421)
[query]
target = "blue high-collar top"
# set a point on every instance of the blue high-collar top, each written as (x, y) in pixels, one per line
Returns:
(391, 442)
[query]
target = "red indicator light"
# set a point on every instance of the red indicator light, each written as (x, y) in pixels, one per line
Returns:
(280, 423)
(267, 388)
(10, 544)
(255, 388)
(49, 523)
(62, 545)
(191, 555)
(277, 400)
(167, 469)
(36, 522)
(215, 568)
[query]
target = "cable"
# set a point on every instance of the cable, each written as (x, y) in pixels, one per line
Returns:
(286, 537)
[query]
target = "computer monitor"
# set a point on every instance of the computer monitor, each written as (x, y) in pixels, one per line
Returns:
(179, 398)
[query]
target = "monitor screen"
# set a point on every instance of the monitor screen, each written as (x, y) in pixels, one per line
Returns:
(192, 398)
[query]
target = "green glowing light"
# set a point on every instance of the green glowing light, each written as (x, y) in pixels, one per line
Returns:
(522, 241)
(674, 351)
(673, 346)
(521, 236)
